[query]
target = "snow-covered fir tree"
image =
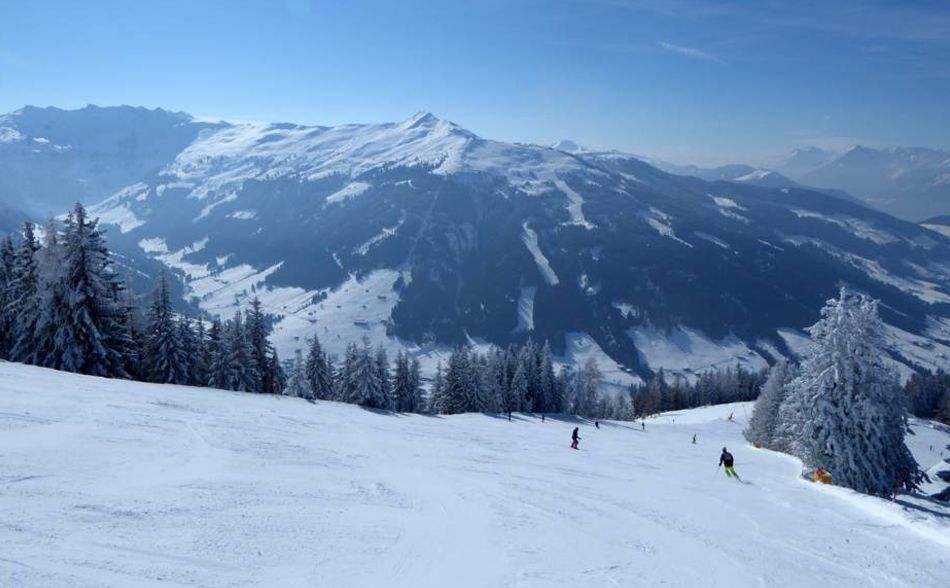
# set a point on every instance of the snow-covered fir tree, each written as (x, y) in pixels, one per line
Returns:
(765, 415)
(587, 385)
(297, 384)
(132, 346)
(188, 344)
(437, 400)
(549, 401)
(383, 376)
(277, 376)
(364, 387)
(415, 401)
(853, 412)
(258, 330)
(517, 393)
(402, 385)
(7, 318)
(24, 301)
(201, 362)
(93, 335)
(319, 372)
(166, 359)
(51, 305)
(242, 371)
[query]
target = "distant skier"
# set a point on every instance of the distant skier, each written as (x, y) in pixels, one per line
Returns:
(726, 460)
(597, 424)
(575, 437)
(694, 438)
(542, 418)
(643, 425)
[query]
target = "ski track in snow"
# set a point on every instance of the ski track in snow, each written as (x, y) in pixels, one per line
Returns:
(575, 206)
(530, 239)
(526, 310)
(113, 483)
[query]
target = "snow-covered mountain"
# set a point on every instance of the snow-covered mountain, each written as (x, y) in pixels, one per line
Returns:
(118, 483)
(803, 160)
(422, 234)
(51, 158)
(736, 172)
(908, 182)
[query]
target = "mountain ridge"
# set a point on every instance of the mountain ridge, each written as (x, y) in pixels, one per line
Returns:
(422, 235)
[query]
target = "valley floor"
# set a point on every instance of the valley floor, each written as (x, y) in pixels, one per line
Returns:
(110, 483)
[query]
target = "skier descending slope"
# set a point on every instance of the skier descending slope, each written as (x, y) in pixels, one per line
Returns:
(575, 438)
(727, 460)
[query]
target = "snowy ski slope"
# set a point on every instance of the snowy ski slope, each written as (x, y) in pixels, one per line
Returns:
(110, 483)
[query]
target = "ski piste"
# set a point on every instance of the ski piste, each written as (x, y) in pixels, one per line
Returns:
(117, 483)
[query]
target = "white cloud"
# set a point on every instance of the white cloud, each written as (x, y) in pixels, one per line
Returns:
(689, 52)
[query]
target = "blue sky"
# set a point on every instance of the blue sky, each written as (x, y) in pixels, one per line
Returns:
(685, 80)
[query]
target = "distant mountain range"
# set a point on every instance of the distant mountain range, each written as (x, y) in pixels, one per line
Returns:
(908, 182)
(422, 235)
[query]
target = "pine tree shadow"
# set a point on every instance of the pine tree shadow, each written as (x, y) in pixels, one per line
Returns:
(503, 416)
(917, 507)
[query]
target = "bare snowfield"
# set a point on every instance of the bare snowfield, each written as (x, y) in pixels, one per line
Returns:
(112, 483)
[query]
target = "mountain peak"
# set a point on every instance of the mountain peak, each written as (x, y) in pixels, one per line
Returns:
(568, 146)
(421, 118)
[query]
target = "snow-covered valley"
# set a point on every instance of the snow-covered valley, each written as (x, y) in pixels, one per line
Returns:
(115, 483)
(422, 236)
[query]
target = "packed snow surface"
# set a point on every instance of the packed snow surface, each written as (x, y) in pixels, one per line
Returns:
(686, 352)
(526, 310)
(114, 483)
(530, 239)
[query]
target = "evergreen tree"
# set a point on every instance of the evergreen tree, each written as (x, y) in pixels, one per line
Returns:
(549, 401)
(587, 384)
(854, 419)
(364, 386)
(93, 337)
(166, 360)
(297, 384)
(528, 358)
(261, 349)
(402, 391)
(188, 344)
(24, 305)
(243, 373)
(132, 344)
(414, 400)
(201, 362)
(7, 318)
(318, 372)
(765, 415)
(437, 399)
(50, 304)
(219, 372)
(277, 376)
(382, 374)
(518, 390)
(562, 388)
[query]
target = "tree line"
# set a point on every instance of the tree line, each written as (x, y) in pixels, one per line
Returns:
(928, 395)
(733, 384)
(63, 306)
(519, 378)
